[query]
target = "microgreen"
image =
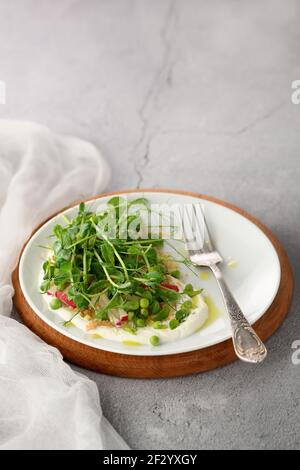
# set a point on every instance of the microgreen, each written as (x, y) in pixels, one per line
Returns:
(105, 274)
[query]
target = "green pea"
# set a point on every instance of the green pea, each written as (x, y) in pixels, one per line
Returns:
(55, 304)
(144, 303)
(44, 286)
(130, 315)
(180, 315)
(154, 340)
(163, 314)
(173, 324)
(155, 307)
(131, 305)
(187, 305)
(140, 322)
(144, 312)
(157, 325)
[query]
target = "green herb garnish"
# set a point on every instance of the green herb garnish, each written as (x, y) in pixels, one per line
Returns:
(101, 271)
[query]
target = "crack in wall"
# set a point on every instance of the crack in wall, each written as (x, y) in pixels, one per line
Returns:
(241, 130)
(202, 132)
(161, 78)
(259, 119)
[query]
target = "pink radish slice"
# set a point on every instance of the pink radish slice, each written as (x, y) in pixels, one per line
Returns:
(62, 296)
(170, 286)
(119, 321)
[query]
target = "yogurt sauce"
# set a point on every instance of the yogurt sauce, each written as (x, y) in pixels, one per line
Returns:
(190, 325)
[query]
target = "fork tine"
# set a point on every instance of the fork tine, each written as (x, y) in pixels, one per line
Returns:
(203, 227)
(195, 232)
(193, 236)
(186, 226)
(199, 225)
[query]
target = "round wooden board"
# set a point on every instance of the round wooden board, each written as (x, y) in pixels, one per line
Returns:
(161, 366)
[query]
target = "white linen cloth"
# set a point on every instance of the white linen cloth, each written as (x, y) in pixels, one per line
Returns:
(44, 404)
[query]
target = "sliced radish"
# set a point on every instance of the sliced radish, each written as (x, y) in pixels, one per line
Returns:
(62, 296)
(170, 286)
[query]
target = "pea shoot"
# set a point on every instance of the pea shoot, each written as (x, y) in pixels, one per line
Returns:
(97, 272)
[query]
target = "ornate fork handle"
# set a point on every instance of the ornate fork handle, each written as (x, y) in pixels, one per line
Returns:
(247, 344)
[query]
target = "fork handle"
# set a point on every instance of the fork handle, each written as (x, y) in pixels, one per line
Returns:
(247, 344)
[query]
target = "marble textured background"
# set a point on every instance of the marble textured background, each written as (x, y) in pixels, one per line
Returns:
(184, 94)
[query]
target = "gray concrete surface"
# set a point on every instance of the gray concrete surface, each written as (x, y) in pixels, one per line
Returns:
(182, 94)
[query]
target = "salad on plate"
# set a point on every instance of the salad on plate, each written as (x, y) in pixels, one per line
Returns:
(122, 288)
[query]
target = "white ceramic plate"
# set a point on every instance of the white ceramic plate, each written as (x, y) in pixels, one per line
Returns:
(251, 268)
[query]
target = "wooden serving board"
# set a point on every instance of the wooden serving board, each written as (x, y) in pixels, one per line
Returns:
(170, 365)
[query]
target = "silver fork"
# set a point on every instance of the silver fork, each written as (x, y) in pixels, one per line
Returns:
(247, 344)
